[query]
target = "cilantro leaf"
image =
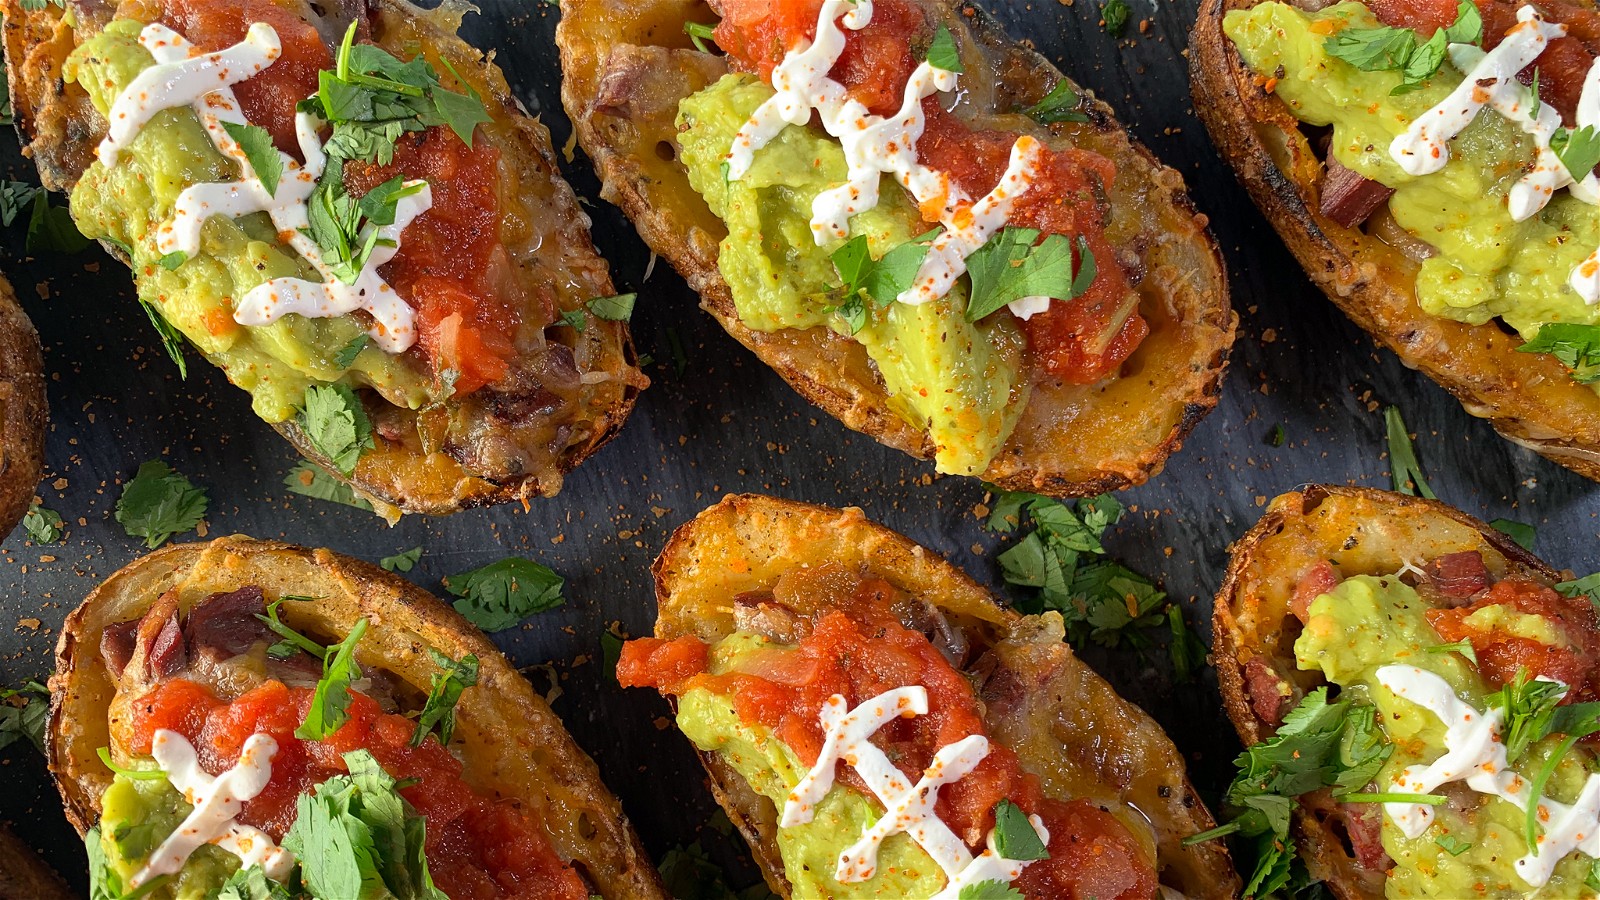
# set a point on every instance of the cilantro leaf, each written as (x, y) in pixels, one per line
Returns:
(439, 712)
(50, 228)
(1385, 48)
(251, 883)
(616, 308)
(256, 144)
(1463, 647)
(610, 652)
(504, 593)
(336, 425)
(1530, 707)
(943, 53)
(1060, 105)
(1114, 16)
(1009, 266)
(1578, 150)
(1186, 649)
(294, 639)
(26, 720)
(402, 562)
(1452, 845)
(1587, 586)
(699, 34)
(1405, 471)
(346, 357)
(172, 261)
(171, 337)
(990, 890)
(1576, 346)
(44, 526)
(1574, 723)
(1014, 837)
(1523, 533)
(159, 503)
(1468, 26)
(310, 480)
(877, 280)
(14, 197)
(330, 702)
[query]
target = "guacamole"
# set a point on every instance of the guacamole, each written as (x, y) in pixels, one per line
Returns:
(960, 380)
(1487, 265)
(810, 851)
(129, 201)
(1366, 623)
(137, 814)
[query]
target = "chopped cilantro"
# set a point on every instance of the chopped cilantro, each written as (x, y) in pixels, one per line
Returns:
(171, 337)
(173, 260)
(699, 34)
(26, 720)
(1463, 647)
(1011, 266)
(943, 53)
(159, 503)
(43, 526)
(336, 425)
(504, 593)
(1521, 532)
(1405, 471)
(14, 197)
(1396, 49)
(346, 357)
(993, 889)
(1060, 105)
(1578, 150)
(1575, 346)
(312, 481)
(294, 639)
(402, 562)
(877, 280)
(255, 143)
(1014, 837)
(1452, 845)
(439, 713)
(1114, 16)
(330, 702)
(50, 228)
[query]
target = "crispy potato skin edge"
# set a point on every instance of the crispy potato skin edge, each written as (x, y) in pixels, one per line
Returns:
(24, 409)
(513, 745)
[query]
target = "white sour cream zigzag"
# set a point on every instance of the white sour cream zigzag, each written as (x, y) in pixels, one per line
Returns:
(875, 146)
(1475, 754)
(216, 801)
(908, 808)
(204, 82)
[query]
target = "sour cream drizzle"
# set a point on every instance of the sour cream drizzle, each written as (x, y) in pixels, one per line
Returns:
(216, 801)
(1491, 80)
(907, 808)
(874, 146)
(203, 81)
(1475, 754)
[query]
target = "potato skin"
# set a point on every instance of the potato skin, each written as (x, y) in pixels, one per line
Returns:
(60, 130)
(23, 409)
(1121, 431)
(1528, 397)
(512, 745)
(1075, 733)
(1370, 532)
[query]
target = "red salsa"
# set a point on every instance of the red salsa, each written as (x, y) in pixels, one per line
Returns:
(863, 651)
(1081, 341)
(476, 847)
(453, 267)
(1500, 655)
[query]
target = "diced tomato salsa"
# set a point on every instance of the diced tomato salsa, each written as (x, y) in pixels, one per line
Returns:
(477, 847)
(452, 266)
(1500, 655)
(1564, 63)
(861, 652)
(1081, 341)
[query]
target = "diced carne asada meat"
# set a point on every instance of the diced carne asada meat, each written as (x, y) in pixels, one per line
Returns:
(1270, 696)
(1348, 197)
(1458, 576)
(1317, 580)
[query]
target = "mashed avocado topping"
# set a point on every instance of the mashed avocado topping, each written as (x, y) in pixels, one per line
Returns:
(810, 851)
(1366, 623)
(137, 814)
(960, 380)
(127, 202)
(1487, 265)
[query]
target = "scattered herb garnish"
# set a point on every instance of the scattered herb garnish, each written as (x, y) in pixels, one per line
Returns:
(293, 639)
(699, 34)
(504, 593)
(50, 228)
(105, 883)
(1535, 104)
(610, 652)
(1574, 723)
(336, 425)
(1060, 105)
(1014, 837)
(346, 357)
(1187, 651)
(1276, 436)
(943, 53)
(1114, 16)
(1578, 150)
(171, 337)
(1452, 845)
(252, 883)
(330, 702)
(14, 197)
(255, 143)
(1385, 48)
(1011, 266)
(1529, 705)
(159, 503)
(1521, 532)
(616, 308)
(879, 281)
(990, 890)
(310, 480)
(136, 774)
(346, 229)
(172, 261)
(1576, 346)
(439, 713)
(689, 872)
(43, 526)
(1405, 471)
(402, 562)
(26, 720)
(1587, 586)
(1463, 647)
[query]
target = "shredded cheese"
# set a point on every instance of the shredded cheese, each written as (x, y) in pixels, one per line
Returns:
(908, 808)
(216, 802)
(204, 82)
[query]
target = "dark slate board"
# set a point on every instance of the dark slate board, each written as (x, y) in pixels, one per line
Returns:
(725, 423)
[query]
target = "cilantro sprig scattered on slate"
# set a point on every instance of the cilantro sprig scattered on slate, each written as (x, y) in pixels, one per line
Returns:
(1320, 745)
(503, 593)
(159, 503)
(310, 480)
(171, 338)
(1385, 48)
(1114, 15)
(355, 833)
(439, 713)
(43, 526)
(336, 425)
(1015, 264)
(330, 702)
(1405, 471)
(402, 562)
(1576, 346)
(616, 308)
(27, 719)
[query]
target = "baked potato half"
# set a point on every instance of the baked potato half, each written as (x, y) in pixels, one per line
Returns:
(628, 68)
(460, 315)
(794, 601)
(24, 409)
(180, 640)
(1369, 268)
(1363, 594)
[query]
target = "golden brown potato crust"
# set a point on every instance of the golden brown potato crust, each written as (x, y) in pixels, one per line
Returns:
(23, 409)
(626, 66)
(1529, 398)
(512, 746)
(1069, 727)
(1366, 532)
(61, 130)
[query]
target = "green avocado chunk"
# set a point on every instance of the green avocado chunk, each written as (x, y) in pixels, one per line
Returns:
(129, 201)
(810, 851)
(1366, 623)
(1486, 265)
(961, 381)
(136, 816)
